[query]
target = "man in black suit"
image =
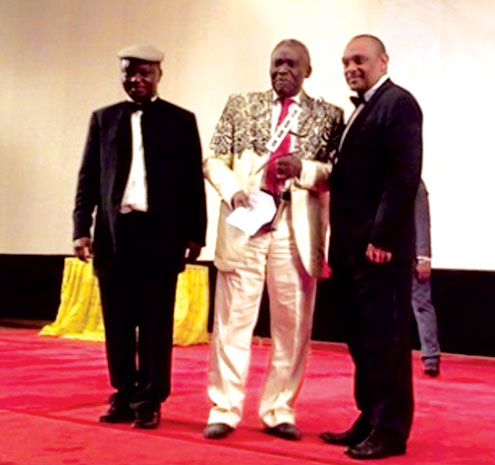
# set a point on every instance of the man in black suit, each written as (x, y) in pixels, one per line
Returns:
(372, 247)
(142, 172)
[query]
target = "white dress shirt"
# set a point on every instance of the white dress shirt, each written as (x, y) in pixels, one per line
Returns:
(276, 109)
(136, 191)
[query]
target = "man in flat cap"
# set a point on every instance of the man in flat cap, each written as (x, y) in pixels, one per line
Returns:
(141, 171)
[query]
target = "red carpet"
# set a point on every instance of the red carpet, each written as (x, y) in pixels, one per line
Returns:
(53, 390)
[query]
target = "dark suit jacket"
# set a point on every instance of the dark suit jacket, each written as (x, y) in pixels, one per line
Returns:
(176, 196)
(374, 183)
(422, 218)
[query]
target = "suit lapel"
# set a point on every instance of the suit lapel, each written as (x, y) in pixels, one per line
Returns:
(265, 123)
(116, 124)
(119, 151)
(305, 121)
(305, 124)
(368, 107)
(305, 117)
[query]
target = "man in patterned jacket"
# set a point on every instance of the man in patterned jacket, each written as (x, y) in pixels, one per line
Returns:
(290, 254)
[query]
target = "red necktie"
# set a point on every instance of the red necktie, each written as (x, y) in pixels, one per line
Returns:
(271, 179)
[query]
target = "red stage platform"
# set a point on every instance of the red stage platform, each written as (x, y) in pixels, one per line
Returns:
(53, 391)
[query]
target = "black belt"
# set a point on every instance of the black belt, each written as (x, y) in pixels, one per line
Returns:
(133, 217)
(285, 196)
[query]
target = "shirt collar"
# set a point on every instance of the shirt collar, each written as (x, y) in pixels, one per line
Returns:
(295, 98)
(369, 93)
(152, 99)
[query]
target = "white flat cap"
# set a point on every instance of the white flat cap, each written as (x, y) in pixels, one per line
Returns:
(141, 52)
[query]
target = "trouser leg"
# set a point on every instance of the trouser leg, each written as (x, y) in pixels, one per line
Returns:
(381, 346)
(118, 299)
(425, 316)
(155, 322)
(139, 293)
(292, 296)
(237, 299)
(356, 341)
(344, 286)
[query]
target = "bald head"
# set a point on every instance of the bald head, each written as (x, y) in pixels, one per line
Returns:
(365, 62)
(377, 43)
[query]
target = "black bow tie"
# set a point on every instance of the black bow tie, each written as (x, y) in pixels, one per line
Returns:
(132, 107)
(357, 100)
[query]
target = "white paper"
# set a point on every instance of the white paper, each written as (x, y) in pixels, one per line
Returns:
(249, 220)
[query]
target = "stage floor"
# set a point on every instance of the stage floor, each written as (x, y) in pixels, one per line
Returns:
(53, 390)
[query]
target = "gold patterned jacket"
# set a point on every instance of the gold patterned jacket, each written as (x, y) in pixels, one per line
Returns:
(236, 163)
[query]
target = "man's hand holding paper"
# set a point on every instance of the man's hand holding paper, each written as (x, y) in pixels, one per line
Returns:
(260, 210)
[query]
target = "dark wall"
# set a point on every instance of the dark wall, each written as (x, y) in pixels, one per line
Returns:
(464, 300)
(464, 303)
(30, 286)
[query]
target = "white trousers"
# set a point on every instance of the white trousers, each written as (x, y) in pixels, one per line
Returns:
(271, 256)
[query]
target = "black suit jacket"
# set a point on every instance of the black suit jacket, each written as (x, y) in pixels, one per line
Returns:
(374, 183)
(176, 196)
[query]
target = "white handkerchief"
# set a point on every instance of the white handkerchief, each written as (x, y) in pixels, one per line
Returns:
(249, 220)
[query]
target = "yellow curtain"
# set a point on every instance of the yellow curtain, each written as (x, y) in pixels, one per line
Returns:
(79, 314)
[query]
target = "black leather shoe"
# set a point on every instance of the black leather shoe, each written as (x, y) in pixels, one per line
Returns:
(285, 431)
(376, 446)
(217, 430)
(431, 366)
(118, 414)
(149, 419)
(354, 435)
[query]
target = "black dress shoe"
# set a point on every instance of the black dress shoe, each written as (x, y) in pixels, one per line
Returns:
(148, 419)
(285, 431)
(354, 435)
(377, 446)
(217, 430)
(118, 414)
(431, 366)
